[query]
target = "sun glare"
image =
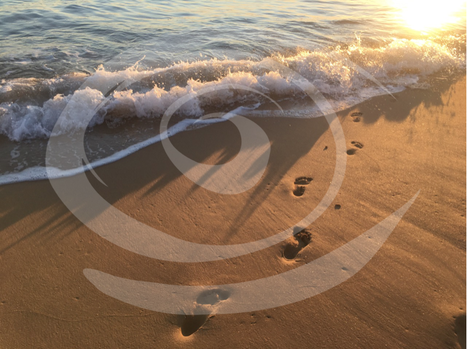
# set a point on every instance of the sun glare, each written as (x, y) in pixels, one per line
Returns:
(425, 15)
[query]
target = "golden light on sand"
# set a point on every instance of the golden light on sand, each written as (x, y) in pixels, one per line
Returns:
(425, 15)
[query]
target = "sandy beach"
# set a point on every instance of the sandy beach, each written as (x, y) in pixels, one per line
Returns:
(410, 295)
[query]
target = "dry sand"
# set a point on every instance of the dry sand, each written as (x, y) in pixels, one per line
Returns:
(410, 295)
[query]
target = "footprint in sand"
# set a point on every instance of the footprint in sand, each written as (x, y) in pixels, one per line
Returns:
(299, 241)
(207, 301)
(303, 180)
(357, 146)
(300, 182)
(299, 191)
(356, 116)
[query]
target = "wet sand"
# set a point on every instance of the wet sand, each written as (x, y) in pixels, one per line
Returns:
(410, 295)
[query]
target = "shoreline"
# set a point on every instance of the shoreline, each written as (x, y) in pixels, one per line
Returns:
(406, 297)
(41, 173)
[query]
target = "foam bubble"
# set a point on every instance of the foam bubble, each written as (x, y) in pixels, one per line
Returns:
(29, 108)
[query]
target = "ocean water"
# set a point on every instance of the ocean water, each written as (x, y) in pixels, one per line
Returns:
(113, 68)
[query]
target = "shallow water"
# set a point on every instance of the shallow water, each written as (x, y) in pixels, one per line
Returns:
(166, 50)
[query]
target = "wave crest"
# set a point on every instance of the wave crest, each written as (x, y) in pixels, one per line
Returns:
(29, 108)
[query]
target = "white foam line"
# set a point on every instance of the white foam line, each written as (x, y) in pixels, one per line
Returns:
(41, 172)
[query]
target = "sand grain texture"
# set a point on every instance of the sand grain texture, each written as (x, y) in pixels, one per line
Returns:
(407, 296)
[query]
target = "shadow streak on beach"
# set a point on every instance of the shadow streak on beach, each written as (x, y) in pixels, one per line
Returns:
(22, 199)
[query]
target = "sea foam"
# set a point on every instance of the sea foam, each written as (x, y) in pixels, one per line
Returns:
(30, 108)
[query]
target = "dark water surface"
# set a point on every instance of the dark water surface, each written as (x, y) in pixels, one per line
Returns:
(166, 50)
